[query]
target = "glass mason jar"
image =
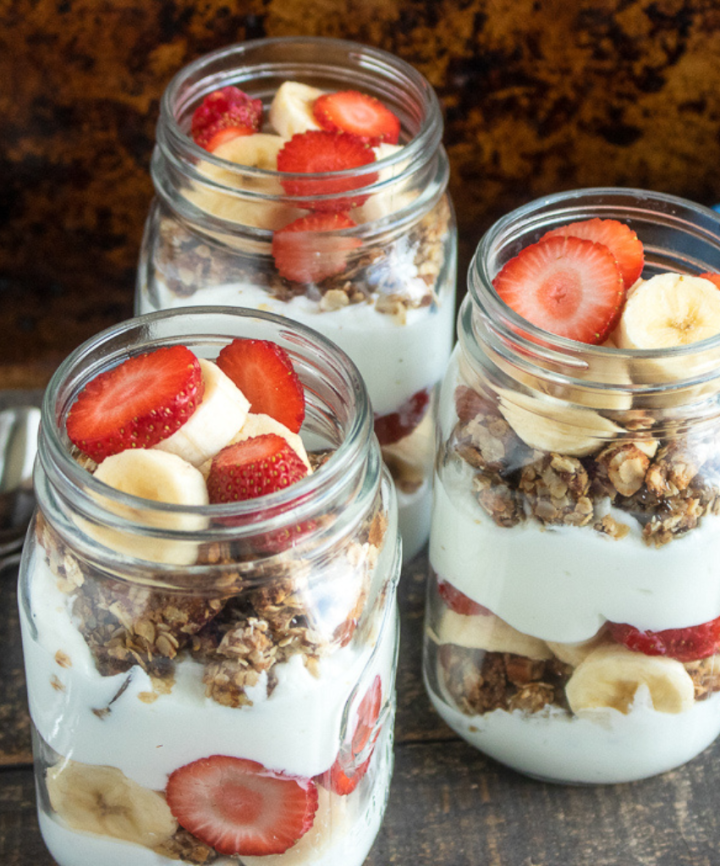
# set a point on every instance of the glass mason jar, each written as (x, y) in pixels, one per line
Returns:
(158, 637)
(575, 541)
(383, 289)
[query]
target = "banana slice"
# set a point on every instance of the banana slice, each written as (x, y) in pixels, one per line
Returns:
(410, 459)
(214, 423)
(487, 632)
(291, 110)
(571, 431)
(669, 310)
(105, 801)
(390, 200)
(575, 653)
(160, 477)
(610, 676)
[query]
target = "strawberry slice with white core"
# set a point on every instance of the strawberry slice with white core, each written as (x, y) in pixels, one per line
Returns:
(137, 404)
(239, 807)
(618, 237)
(358, 114)
(567, 286)
(263, 371)
(305, 252)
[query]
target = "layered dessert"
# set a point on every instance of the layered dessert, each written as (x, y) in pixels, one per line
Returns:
(367, 257)
(573, 623)
(224, 701)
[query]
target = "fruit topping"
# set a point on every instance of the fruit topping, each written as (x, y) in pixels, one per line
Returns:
(252, 468)
(223, 136)
(345, 774)
(264, 373)
(137, 404)
(291, 110)
(619, 238)
(397, 425)
(304, 253)
(567, 286)
(239, 807)
(683, 644)
(459, 602)
(714, 278)
(358, 114)
(223, 109)
(318, 151)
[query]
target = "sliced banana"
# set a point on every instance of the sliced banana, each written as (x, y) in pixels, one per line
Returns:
(669, 310)
(610, 676)
(160, 477)
(390, 200)
(487, 632)
(541, 424)
(212, 426)
(291, 110)
(105, 801)
(575, 653)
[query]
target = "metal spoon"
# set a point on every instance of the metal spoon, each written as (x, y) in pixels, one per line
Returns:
(18, 446)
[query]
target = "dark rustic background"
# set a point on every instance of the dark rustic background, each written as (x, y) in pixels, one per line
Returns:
(539, 96)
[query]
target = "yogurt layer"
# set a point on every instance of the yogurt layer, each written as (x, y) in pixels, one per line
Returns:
(395, 360)
(124, 721)
(561, 584)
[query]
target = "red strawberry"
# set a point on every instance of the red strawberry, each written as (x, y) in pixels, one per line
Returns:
(358, 114)
(223, 109)
(343, 777)
(683, 644)
(714, 278)
(567, 286)
(458, 601)
(305, 253)
(136, 404)
(318, 151)
(397, 425)
(238, 807)
(619, 238)
(263, 371)
(253, 467)
(224, 135)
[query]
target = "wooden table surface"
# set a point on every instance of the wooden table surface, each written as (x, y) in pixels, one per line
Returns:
(449, 805)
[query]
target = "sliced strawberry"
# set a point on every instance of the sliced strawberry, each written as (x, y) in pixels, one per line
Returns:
(458, 601)
(304, 252)
(619, 238)
(345, 774)
(683, 644)
(319, 151)
(223, 109)
(359, 114)
(263, 371)
(136, 404)
(238, 807)
(714, 278)
(397, 425)
(222, 136)
(565, 285)
(253, 468)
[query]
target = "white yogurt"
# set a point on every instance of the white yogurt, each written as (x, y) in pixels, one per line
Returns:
(562, 583)
(596, 746)
(297, 729)
(395, 360)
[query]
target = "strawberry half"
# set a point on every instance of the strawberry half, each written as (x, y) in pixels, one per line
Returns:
(359, 114)
(683, 644)
(263, 371)
(304, 253)
(136, 404)
(238, 807)
(252, 468)
(458, 601)
(565, 285)
(223, 109)
(619, 238)
(344, 775)
(397, 425)
(318, 151)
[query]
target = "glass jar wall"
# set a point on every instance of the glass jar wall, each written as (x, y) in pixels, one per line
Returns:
(572, 625)
(373, 268)
(174, 646)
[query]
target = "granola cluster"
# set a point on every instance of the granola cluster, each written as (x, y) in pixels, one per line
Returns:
(668, 487)
(187, 263)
